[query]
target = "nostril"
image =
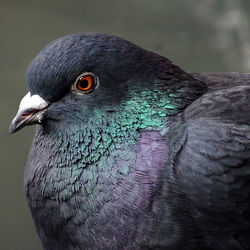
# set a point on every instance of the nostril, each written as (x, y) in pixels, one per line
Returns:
(26, 114)
(29, 112)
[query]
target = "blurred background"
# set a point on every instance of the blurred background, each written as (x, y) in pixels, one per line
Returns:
(204, 35)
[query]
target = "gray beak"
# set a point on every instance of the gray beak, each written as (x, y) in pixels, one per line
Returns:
(31, 111)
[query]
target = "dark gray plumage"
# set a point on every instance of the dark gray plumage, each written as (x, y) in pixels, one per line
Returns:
(147, 156)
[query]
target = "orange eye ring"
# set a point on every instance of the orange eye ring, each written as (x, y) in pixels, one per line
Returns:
(85, 83)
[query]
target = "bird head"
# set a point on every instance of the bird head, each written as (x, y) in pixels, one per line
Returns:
(91, 78)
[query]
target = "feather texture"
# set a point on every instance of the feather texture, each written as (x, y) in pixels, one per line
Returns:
(154, 158)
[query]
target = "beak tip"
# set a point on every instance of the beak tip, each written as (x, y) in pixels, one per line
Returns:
(12, 128)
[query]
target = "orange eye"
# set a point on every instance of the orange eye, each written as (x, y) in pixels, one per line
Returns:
(85, 83)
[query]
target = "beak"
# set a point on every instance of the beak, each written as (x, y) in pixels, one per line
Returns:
(31, 111)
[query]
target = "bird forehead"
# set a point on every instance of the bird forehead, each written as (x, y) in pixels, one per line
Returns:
(87, 49)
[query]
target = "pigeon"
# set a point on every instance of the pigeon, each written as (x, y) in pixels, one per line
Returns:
(132, 152)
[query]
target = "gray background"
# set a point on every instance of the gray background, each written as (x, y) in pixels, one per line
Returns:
(204, 35)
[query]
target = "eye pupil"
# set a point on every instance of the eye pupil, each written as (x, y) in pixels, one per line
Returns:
(84, 83)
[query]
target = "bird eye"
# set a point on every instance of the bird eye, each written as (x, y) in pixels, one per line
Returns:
(85, 83)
